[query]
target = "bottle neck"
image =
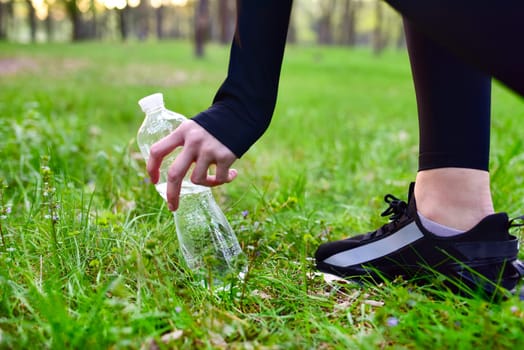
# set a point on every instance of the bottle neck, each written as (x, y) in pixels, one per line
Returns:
(154, 111)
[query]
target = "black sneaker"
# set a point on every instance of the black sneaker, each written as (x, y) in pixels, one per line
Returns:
(482, 259)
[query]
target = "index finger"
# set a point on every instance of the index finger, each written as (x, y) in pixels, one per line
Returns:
(159, 150)
(175, 177)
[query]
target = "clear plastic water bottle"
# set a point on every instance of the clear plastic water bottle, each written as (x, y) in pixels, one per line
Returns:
(207, 241)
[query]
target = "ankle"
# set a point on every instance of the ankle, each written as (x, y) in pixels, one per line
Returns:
(455, 197)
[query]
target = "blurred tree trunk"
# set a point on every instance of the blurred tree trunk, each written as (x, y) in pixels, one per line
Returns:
(49, 33)
(347, 25)
(10, 15)
(201, 26)
(324, 26)
(177, 31)
(94, 20)
(143, 12)
(3, 20)
(76, 19)
(379, 41)
(123, 23)
(159, 16)
(31, 16)
(226, 19)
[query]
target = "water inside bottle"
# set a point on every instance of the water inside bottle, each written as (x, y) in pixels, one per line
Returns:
(207, 241)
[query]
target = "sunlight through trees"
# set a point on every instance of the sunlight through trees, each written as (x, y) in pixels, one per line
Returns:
(327, 22)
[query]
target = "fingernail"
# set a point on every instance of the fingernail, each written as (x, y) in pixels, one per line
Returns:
(171, 207)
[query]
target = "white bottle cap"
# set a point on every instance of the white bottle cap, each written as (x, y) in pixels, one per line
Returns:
(151, 102)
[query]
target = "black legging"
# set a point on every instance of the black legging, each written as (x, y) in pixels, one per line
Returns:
(453, 102)
(488, 34)
(455, 47)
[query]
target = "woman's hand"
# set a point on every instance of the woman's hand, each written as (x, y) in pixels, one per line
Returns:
(199, 147)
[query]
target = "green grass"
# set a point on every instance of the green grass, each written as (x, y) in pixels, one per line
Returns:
(89, 257)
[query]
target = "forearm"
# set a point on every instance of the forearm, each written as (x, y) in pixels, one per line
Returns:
(244, 104)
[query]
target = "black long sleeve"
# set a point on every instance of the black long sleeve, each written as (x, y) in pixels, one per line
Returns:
(244, 104)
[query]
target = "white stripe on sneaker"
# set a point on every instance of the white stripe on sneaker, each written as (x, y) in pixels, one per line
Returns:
(406, 235)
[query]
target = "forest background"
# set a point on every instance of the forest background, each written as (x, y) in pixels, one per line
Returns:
(326, 22)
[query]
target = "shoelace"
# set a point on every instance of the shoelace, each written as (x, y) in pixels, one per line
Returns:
(516, 222)
(397, 208)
